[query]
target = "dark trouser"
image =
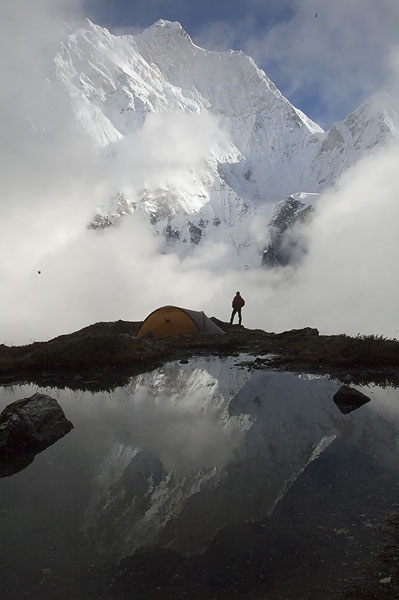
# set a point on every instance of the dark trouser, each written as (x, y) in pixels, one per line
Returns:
(238, 312)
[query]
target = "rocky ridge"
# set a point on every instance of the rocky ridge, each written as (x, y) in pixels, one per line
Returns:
(104, 355)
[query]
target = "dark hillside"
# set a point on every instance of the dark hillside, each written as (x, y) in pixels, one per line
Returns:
(108, 352)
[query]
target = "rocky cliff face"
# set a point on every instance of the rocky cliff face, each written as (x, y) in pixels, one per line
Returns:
(287, 245)
(202, 142)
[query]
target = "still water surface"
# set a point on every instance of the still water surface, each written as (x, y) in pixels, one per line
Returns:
(201, 480)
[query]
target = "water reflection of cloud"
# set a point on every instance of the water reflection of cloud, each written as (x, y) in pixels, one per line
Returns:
(205, 438)
(183, 435)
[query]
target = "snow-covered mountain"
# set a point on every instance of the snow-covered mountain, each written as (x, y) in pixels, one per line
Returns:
(201, 141)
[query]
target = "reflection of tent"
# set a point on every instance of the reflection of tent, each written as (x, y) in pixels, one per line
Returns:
(172, 320)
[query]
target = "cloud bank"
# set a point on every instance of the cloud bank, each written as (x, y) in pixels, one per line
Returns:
(348, 282)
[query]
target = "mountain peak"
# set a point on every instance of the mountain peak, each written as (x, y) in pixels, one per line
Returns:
(165, 24)
(258, 148)
(169, 28)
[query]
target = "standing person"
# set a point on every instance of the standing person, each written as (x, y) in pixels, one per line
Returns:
(237, 304)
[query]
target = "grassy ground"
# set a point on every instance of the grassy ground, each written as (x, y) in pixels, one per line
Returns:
(110, 350)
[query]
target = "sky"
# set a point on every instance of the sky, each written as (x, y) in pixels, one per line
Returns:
(325, 57)
(57, 278)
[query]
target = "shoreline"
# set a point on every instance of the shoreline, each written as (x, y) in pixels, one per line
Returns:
(105, 355)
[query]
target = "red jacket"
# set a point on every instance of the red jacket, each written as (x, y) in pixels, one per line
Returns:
(238, 301)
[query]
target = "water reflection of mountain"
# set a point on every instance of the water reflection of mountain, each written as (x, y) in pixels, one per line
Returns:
(207, 444)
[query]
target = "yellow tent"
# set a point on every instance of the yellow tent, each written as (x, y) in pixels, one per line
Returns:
(172, 320)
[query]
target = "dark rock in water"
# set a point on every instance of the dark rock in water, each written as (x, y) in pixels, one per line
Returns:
(348, 399)
(27, 427)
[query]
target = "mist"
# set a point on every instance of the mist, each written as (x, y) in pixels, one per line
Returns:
(347, 282)
(58, 276)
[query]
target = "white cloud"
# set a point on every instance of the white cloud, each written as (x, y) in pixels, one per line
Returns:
(349, 281)
(168, 147)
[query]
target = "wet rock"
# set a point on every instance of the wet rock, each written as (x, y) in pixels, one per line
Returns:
(348, 399)
(27, 427)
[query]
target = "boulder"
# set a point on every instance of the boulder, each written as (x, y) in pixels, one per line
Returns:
(348, 399)
(27, 427)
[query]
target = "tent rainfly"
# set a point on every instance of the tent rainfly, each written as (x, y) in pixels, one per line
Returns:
(172, 320)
